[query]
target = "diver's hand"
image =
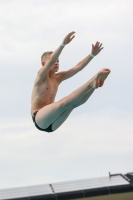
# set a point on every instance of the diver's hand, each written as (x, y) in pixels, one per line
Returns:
(96, 48)
(68, 38)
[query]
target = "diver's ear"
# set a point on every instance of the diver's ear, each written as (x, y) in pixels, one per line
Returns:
(43, 63)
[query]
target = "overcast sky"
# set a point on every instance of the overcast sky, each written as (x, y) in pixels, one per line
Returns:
(97, 138)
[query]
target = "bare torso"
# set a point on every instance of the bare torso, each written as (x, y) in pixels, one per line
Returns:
(44, 92)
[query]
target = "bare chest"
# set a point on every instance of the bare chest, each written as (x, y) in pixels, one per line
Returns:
(44, 93)
(48, 88)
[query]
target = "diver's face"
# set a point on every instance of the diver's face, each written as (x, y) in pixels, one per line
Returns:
(55, 67)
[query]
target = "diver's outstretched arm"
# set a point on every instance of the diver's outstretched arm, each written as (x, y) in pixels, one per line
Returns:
(74, 70)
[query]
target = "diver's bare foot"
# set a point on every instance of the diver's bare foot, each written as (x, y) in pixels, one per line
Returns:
(100, 77)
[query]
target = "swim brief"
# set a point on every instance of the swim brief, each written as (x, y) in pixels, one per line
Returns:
(49, 129)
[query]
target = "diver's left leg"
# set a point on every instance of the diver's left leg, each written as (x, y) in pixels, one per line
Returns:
(59, 121)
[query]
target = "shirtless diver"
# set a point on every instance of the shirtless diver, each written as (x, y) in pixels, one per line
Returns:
(48, 115)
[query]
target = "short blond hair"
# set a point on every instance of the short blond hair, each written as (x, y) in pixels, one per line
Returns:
(46, 55)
